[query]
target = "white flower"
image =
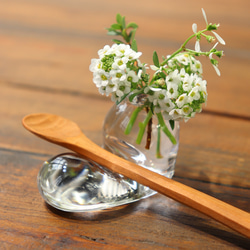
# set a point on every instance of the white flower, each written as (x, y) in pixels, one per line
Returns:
(110, 88)
(132, 55)
(197, 43)
(215, 65)
(187, 82)
(142, 65)
(102, 90)
(102, 52)
(157, 69)
(101, 78)
(182, 99)
(183, 59)
(194, 94)
(214, 62)
(121, 49)
(182, 74)
(176, 114)
(194, 28)
(160, 95)
(196, 66)
(120, 63)
(204, 15)
(219, 38)
(132, 77)
(153, 67)
(172, 90)
(117, 75)
(170, 62)
(152, 93)
(114, 97)
(95, 65)
(166, 104)
(140, 73)
(173, 77)
(123, 88)
(142, 68)
(186, 110)
(201, 84)
(197, 47)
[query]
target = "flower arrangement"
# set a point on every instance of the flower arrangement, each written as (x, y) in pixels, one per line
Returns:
(176, 90)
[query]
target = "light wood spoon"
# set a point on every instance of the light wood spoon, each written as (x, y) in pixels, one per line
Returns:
(66, 133)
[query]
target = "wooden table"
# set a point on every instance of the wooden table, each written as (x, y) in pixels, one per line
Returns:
(45, 51)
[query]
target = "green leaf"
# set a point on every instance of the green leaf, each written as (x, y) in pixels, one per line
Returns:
(113, 33)
(152, 108)
(132, 25)
(125, 36)
(110, 29)
(116, 26)
(134, 45)
(132, 34)
(117, 41)
(123, 22)
(171, 122)
(156, 59)
(119, 19)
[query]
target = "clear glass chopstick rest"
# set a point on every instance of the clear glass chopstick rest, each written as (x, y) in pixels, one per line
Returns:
(74, 184)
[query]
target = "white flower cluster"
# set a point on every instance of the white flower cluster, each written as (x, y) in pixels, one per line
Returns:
(114, 72)
(179, 96)
(183, 91)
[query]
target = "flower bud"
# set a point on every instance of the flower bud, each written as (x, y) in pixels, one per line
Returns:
(210, 39)
(219, 53)
(212, 27)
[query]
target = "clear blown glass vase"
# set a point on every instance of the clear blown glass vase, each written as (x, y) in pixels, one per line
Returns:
(126, 146)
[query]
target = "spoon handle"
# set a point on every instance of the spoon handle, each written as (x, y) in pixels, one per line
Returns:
(228, 215)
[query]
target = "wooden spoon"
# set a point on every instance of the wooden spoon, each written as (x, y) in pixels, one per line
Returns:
(66, 133)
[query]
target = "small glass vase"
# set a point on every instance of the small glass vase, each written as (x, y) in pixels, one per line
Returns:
(124, 145)
(144, 154)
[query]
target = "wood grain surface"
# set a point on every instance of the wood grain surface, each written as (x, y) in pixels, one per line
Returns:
(45, 52)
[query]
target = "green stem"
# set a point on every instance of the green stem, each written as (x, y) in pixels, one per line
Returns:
(182, 48)
(143, 126)
(165, 128)
(132, 120)
(200, 53)
(158, 145)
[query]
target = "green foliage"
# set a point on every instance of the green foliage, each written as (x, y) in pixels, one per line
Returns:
(171, 122)
(126, 31)
(134, 45)
(156, 59)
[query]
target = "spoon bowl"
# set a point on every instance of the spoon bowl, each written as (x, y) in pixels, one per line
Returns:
(66, 133)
